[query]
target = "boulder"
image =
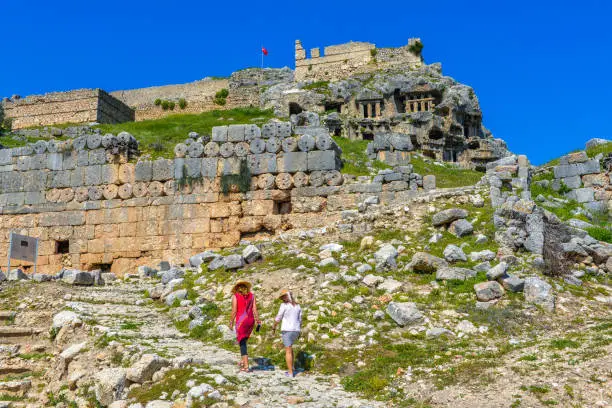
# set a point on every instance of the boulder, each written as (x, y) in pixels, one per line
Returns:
(465, 326)
(333, 247)
(171, 274)
(386, 256)
(447, 216)
(390, 286)
(482, 267)
(38, 277)
(144, 368)
(216, 263)
(146, 272)
(366, 242)
(233, 261)
(453, 253)
(76, 277)
(426, 263)
(438, 332)
(251, 254)
(64, 318)
(596, 142)
(497, 272)
(159, 404)
(404, 314)
(109, 384)
(17, 275)
(328, 262)
(485, 255)
(461, 228)
(372, 280)
(539, 292)
(452, 273)
(178, 294)
(486, 291)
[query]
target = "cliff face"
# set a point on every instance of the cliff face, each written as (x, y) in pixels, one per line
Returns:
(436, 114)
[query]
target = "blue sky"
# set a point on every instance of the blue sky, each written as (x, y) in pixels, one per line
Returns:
(541, 69)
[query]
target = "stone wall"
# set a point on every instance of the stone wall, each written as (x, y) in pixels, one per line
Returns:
(80, 106)
(341, 61)
(587, 182)
(91, 207)
(198, 94)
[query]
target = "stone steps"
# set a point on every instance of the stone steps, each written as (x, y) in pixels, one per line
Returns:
(7, 315)
(9, 332)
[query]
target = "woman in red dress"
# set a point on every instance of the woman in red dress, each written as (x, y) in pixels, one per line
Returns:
(244, 316)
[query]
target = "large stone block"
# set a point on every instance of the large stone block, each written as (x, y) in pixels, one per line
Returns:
(34, 198)
(93, 175)
(576, 169)
(82, 158)
(230, 165)
(69, 160)
(55, 161)
(251, 132)
(573, 182)
(219, 134)
(292, 162)
(58, 179)
(52, 219)
(193, 167)
(6, 156)
(97, 156)
(235, 133)
(582, 195)
(209, 167)
(262, 163)
(34, 180)
(322, 160)
(143, 171)
(163, 169)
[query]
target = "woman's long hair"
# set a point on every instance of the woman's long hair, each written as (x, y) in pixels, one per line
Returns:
(242, 289)
(291, 298)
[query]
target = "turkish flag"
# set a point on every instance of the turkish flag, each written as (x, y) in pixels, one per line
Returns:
(264, 51)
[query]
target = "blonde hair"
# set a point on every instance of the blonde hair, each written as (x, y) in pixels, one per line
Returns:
(242, 289)
(291, 298)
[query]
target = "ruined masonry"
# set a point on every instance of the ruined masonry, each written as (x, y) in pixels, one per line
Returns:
(92, 208)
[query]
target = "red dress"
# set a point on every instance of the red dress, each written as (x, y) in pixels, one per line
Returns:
(244, 316)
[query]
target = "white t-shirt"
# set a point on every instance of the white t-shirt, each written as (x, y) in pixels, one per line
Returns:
(291, 317)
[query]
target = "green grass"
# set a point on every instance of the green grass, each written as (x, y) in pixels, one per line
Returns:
(600, 233)
(354, 158)
(9, 142)
(35, 356)
(129, 325)
(560, 344)
(447, 176)
(173, 129)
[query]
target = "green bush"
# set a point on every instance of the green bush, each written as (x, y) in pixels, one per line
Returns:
(165, 105)
(564, 189)
(373, 52)
(600, 233)
(157, 102)
(182, 103)
(416, 48)
(221, 97)
(171, 105)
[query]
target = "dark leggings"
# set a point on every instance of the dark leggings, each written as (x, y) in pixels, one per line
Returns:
(243, 346)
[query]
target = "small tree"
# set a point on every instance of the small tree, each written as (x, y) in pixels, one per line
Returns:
(158, 102)
(416, 48)
(182, 103)
(165, 105)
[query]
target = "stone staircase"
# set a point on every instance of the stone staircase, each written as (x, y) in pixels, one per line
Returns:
(23, 350)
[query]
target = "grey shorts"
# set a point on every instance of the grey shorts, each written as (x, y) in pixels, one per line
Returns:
(289, 337)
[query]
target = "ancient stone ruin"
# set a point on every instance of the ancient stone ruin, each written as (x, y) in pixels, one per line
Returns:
(80, 106)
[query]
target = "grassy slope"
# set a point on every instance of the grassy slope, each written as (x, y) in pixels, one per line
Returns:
(174, 129)
(356, 163)
(592, 152)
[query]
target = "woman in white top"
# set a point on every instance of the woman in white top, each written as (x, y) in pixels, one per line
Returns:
(290, 314)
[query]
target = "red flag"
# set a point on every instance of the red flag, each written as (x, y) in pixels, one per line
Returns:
(264, 51)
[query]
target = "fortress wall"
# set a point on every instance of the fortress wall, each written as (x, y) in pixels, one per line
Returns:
(343, 60)
(119, 214)
(80, 106)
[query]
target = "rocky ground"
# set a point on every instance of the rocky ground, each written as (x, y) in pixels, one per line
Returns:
(413, 307)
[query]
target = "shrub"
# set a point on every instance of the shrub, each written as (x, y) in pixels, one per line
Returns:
(416, 48)
(157, 102)
(182, 103)
(373, 52)
(171, 105)
(221, 97)
(600, 233)
(165, 105)
(564, 189)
